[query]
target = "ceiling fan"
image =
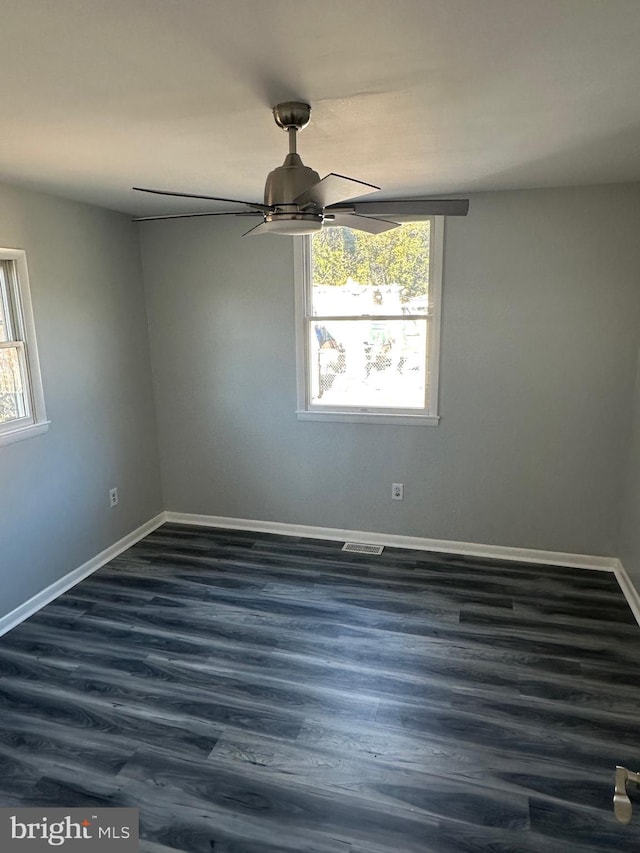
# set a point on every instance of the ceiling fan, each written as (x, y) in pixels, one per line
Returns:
(297, 201)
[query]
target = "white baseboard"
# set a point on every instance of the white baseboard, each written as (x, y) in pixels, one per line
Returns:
(391, 540)
(445, 546)
(628, 589)
(47, 595)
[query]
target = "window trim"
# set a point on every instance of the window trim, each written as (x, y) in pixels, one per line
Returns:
(304, 411)
(24, 335)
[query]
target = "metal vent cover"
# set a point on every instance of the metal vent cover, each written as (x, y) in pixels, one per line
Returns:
(361, 548)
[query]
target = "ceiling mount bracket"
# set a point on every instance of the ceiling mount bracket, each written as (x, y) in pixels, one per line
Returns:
(292, 114)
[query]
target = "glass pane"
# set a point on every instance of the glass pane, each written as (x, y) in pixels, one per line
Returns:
(5, 331)
(369, 363)
(354, 273)
(12, 396)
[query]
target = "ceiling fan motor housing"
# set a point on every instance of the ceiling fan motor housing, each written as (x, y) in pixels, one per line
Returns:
(288, 181)
(284, 184)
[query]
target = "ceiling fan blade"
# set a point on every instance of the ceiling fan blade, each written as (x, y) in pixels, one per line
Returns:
(258, 230)
(191, 215)
(256, 205)
(407, 207)
(361, 223)
(332, 189)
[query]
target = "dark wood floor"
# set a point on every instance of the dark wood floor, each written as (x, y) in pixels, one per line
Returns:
(253, 693)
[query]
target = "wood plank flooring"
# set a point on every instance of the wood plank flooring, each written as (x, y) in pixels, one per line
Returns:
(254, 693)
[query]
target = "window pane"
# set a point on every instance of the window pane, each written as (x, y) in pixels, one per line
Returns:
(354, 273)
(368, 363)
(5, 329)
(4, 326)
(12, 394)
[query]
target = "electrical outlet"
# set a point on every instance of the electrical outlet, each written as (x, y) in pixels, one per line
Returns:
(397, 492)
(113, 497)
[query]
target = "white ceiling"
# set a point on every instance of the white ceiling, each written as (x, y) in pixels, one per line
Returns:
(423, 97)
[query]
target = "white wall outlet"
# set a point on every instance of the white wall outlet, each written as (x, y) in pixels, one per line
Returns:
(113, 497)
(397, 492)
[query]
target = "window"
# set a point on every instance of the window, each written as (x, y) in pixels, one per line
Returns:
(22, 412)
(368, 324)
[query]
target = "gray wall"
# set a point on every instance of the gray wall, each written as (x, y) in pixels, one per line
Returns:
(540, 335)
(630, 528)
(88, 299)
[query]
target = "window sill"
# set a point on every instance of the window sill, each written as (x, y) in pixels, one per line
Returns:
(370, 418)
(20, 433)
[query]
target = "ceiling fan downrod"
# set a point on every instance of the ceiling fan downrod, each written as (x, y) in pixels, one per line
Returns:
(292, 131)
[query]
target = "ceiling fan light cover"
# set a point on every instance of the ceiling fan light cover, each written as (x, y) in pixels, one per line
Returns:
(293, 223)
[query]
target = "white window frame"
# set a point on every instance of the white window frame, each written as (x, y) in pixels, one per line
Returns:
(309, 412)
(23, 336)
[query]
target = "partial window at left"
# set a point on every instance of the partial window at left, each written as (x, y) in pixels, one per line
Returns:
(22, 411)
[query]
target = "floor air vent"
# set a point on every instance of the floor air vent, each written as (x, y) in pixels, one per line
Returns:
(358, 548)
